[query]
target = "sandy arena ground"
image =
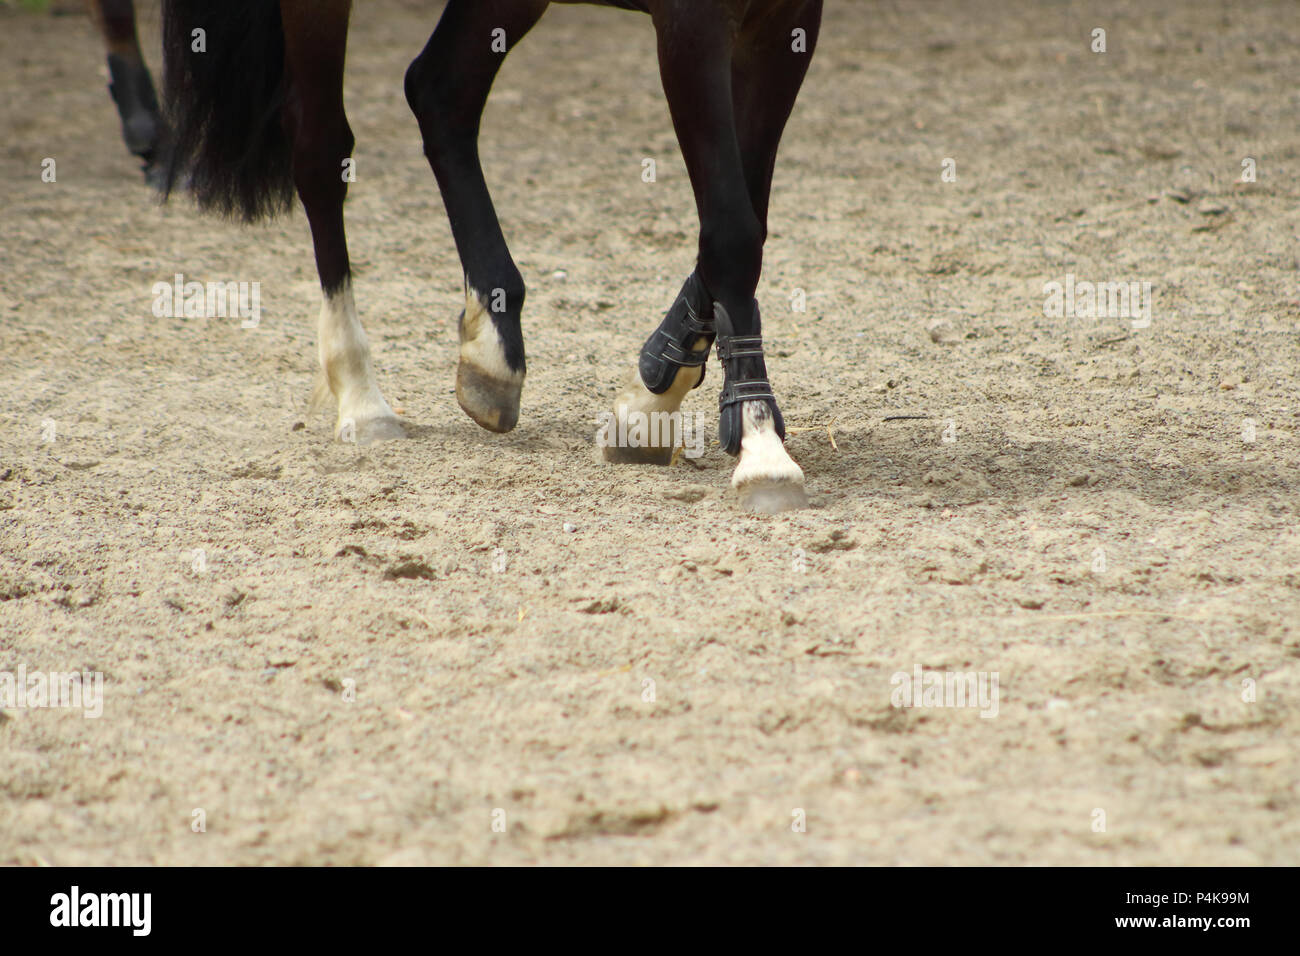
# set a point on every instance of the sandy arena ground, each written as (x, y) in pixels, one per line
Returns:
(1101, 532)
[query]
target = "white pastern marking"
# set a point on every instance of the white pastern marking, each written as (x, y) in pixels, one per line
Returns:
(763, 457)
(480, 343)
(345, 361)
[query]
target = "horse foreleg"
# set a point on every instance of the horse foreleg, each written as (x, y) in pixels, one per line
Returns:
(698, 43)
(772, 56)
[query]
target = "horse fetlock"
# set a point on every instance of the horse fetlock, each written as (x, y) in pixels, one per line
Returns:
(745, 384)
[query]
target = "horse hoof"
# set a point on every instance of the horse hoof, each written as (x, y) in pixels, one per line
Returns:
(617, 455)
(491, 402)
(369, 431)
(772, 496)
(766, 478)
(648, 429)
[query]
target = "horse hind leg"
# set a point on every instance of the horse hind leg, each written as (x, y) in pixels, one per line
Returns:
(131, 86)
(315, 43)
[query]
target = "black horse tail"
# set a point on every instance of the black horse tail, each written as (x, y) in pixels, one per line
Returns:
(225, 89)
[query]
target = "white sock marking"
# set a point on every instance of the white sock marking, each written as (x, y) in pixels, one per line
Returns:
(345, 362)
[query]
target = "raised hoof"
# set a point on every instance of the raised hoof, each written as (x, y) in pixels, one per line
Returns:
(491, 402)
(772, 496)
(616, 455)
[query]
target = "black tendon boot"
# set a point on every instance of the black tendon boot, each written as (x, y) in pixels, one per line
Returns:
(669, 347)
(745, 380)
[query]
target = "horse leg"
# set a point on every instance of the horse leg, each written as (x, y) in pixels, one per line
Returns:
(768, 69)
(698, 43)
(130, 84)
(315, 33)
(672, 363)
(447, 87)
(766, 74)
